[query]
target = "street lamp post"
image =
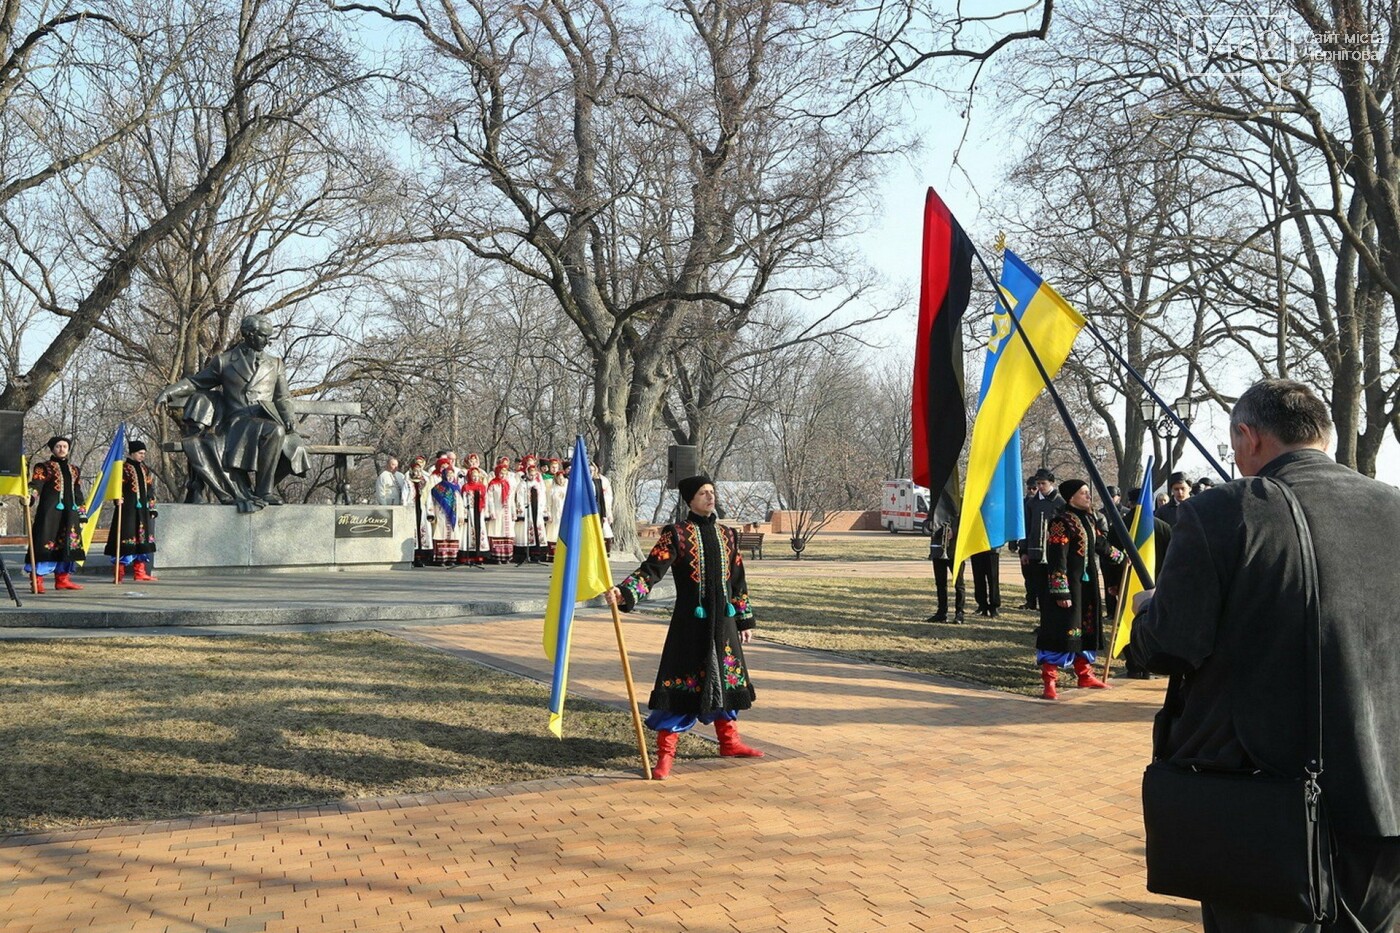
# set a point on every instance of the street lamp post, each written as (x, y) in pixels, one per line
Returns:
(1227, 455)
(1160, 423)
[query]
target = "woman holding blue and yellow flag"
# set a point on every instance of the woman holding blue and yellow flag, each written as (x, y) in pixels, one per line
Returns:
(58, 517)
(703, 676)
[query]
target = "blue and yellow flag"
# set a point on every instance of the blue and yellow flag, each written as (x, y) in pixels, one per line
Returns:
(1003, 511)
(580, 573)
(1143, 537)
(1013, 384)
(17, 485)
(108, 485)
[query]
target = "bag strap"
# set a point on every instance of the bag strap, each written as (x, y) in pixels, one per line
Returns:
(1313, 602)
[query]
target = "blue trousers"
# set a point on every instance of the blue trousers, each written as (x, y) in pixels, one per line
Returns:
(661, 719)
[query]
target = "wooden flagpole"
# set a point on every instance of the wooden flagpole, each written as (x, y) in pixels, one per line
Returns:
(117, 530)
(1117, 618)
(29, 531)
(631, 691)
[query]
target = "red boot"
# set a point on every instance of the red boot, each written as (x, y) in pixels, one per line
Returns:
(62, 581)
(1085, 670)
(140, 573)
(729, 744)
(666, 741)
(38, 583)
(121, 572)
(1049, 675)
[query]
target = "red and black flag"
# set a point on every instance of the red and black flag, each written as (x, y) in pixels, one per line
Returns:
(940, 416)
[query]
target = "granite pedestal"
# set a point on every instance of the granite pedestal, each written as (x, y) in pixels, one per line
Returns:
(220, 539)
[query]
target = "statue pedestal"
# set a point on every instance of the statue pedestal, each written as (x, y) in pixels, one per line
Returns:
(218, 539)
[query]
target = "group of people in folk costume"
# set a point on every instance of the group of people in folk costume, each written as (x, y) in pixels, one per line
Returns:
(59, 512)
(465, 517)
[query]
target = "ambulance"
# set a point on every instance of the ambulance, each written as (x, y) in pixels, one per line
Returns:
(904, 507)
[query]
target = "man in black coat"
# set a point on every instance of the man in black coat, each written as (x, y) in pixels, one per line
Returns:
(1161, 538)
(1228, 619)
(940, 552)
(1040, 507)
(1178, 491)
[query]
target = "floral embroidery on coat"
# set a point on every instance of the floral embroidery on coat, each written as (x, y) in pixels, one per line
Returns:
(691, 683)
(734, 675)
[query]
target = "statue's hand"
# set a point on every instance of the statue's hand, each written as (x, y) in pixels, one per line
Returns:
(163, 399)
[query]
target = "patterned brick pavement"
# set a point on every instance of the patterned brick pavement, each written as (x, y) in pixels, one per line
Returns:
(894, 802)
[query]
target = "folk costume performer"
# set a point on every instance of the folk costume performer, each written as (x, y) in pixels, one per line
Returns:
(134, 531)
(1071, 617)
(703, 676)
(445, 513)
(59, 513)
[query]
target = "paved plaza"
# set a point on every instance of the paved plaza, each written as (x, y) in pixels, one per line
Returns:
(889, 801)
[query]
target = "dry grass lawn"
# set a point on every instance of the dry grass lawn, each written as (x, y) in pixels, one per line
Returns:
(878, 612)
(848, 546)
(102, 730)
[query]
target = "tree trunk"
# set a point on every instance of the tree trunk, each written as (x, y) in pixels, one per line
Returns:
(25, 391)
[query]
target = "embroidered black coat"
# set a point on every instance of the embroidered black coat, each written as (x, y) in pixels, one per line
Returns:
(136, 534)
(702, 663)
(57, 526)
(1074, 542)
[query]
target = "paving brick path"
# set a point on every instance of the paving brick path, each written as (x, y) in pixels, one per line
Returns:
(895, 802)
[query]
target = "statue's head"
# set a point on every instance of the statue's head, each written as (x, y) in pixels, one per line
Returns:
(256, 331)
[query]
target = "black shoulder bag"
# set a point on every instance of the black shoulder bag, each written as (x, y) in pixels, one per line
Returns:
(1248, 840)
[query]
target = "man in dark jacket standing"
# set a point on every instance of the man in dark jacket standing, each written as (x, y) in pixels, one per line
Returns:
(1228, 622)
(1043, 505)
(1178, 490)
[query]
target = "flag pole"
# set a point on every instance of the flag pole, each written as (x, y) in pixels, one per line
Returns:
(29, 531)
(1161, 404)
(1117, 620)
(1115, 520)
(117, 527)
(1123, 583)
(631, 692)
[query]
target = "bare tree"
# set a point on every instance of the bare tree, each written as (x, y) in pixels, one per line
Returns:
(1300, 136)
(638, 167)
(715, 393)
(817, 462)
(273, 62)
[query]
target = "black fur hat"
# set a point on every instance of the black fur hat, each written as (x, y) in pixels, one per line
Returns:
(689, 486)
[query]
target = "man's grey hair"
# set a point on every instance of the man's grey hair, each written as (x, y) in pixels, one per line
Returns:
(1286, 409)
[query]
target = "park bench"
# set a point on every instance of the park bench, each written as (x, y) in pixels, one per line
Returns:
(303, 408)
(751, 541)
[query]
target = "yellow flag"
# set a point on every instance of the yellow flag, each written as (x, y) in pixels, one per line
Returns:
(1146, 543)
(1051, 326)
(17, 485)
(580, 573)
(108, 485)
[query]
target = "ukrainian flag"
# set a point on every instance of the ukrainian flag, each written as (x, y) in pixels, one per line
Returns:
(17, 485)
(108, 485)
(1145, 540)
(1003, 512)
(1012, 385)
(580, 573)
